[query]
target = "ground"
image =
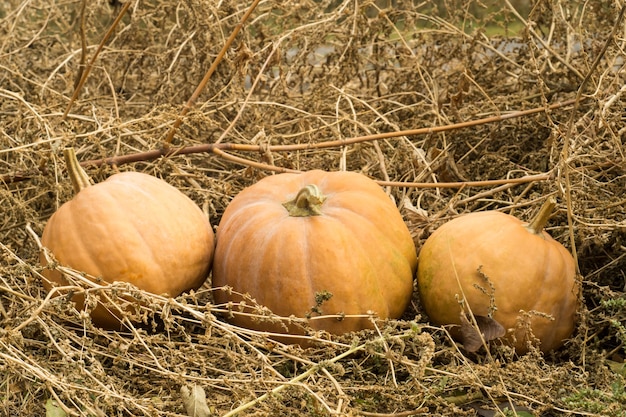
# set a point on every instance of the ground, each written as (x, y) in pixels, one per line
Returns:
(452, 106)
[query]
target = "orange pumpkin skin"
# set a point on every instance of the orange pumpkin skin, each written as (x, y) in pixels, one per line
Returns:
(528, 272)
(133, 228)
(358, 249)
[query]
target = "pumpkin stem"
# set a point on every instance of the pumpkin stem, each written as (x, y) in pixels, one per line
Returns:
(541, 219)
(77, 174)
(308, 202)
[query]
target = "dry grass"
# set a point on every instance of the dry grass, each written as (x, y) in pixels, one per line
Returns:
(297, 85)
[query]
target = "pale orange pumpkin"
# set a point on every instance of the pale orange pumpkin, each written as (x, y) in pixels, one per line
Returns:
(496, 266)
(313, 244)
(132, 228)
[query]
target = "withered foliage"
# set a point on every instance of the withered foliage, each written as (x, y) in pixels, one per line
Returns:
(301, 74)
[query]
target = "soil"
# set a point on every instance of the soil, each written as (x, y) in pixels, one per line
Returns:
(452, 106)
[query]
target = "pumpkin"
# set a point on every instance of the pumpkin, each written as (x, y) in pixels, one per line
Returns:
(517, 281)
(314, 244)
(132, 228)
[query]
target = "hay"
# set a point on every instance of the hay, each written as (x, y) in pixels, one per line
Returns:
(297, 85)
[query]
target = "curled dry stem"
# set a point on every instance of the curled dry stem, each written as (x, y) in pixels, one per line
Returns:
(192, 100)
(84, 73)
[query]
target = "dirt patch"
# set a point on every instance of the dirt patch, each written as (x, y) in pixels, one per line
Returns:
(299, 84)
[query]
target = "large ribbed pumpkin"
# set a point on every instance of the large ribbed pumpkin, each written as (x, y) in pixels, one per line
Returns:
(132, 228)
(500, 268)
(313, 244)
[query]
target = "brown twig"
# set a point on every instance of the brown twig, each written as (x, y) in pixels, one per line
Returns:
(221, 149)
(460, 184)
(409, 132)
(83, 45)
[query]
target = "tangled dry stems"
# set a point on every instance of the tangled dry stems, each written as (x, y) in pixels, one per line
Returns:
(314, 75)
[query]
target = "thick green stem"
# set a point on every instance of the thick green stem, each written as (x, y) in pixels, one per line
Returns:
(541, 219)
(308, 202)
(77, 174)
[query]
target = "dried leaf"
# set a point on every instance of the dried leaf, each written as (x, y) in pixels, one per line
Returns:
(194, 399)
(53, 410)
(490, 328)
(470, 335)
(617, 367)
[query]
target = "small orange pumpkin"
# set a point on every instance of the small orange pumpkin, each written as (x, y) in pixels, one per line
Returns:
(132, 228)
(498, 267)
(313, 244)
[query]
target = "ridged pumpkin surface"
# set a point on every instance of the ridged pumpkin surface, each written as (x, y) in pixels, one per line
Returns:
(357, 248)
(520, 271)
(132, 228)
